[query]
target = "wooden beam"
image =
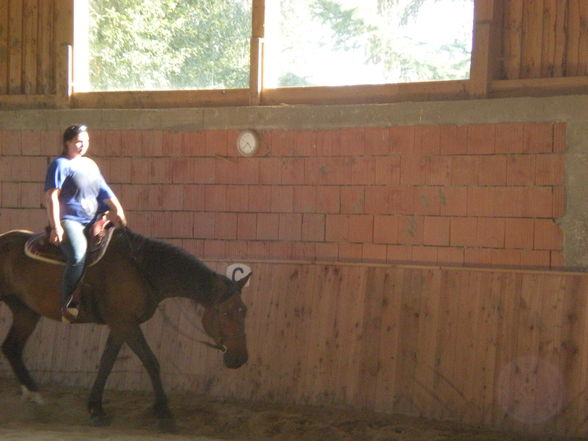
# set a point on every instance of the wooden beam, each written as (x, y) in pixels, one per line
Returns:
(539, 87)
(256, 52)
(486, 46)
(63, 51)
(27, 101)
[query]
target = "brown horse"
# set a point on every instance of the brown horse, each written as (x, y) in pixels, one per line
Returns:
(121, 291)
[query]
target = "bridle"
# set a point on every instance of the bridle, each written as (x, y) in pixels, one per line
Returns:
(221, 340)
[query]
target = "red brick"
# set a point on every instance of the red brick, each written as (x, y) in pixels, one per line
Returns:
(258, 249)
(387, 170)
(313, 227)
(436, 230)
(439, 170)
(350, 252)
(193, 197)
(427, 140)
(548, 235)
(337, 228)
(327, 251)
(559, 201)
(204, 225)
(453, 201)
(304, 199)
(305, 251)
(537, 202)
(401, 139)
(538, 137)
(450, 255)
(215, 198)
(490, 232)
(161, 171)
(464, 170)
(281, 250)
(119, 171)
(482, 139)
(363, 170)
(51, 143)
(293, 171)
(11, 143)
(151, 142)
(482, 201)
(540, 258)
(131, 143)
(352, 200)
(478, 256)
(30, 143)
(182, 223)
(398, 253)
(172, 197)
(10, 195)
(246, 226)
(520, 169)
(557, 259)
(312, 170)
(427, 255)
(305, 143)
(519, 233)
(361, 228)
(237, 198)
(506, 257)
(559, 137)
(377, 200)
(260, 198)
(410, 230)
(377, 140)
(236, 250)
(464, 231)
(427, 200)
(492, 170)
(216, 142)
(374, 253)
(283, 142)
(453, 139)
(335, 170)
(290, 227)
(326, 142)
(141, 171)
(225, 170)
(282, 199)
(413, 169)
(352, 141)
(385, 229)
(191, 143)
(31, 195)
(549, 169)
(509, 138)
(328, 199)
(268, 226)
(214, 248)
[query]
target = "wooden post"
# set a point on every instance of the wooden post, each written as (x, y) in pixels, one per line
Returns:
(63, 51)
(486, 46)
(256, 52)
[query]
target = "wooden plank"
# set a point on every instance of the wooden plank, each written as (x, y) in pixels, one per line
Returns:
(30, 45)
(3, 48)
(256, 71)
(26, 101)
(583, 39)
(573, 40)
(513, 25)
(549, 38)
(46, 48)
(559, 38)
(539, 87)
(532, 34)
(63, 51)
(15, 35)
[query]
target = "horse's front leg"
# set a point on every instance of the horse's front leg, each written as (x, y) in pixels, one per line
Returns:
(97, 415)
(138, 344)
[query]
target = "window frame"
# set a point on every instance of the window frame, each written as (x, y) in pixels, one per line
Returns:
(483, 69)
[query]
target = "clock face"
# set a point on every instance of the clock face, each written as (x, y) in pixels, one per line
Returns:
(247, 143)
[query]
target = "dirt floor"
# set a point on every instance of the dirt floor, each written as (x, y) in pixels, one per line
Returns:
(64, 418)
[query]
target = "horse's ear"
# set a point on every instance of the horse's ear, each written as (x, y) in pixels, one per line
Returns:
(243, 281)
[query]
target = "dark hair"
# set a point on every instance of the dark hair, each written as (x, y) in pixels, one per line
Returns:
(71, 132)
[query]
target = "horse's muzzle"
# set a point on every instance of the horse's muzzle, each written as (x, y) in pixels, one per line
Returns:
(235, 359)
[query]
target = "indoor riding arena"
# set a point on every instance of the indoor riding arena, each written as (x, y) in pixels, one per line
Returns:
(417, 232)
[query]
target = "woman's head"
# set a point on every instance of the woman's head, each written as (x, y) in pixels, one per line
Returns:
(75, 140)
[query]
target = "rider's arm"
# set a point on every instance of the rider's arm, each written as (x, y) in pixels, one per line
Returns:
(53, 212)
(117, 210)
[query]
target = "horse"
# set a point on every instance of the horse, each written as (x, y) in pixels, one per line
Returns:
(121, 291)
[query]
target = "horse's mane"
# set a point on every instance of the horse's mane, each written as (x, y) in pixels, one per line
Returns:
(170, 267)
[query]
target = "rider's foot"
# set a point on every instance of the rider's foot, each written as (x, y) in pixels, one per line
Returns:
(69, 314)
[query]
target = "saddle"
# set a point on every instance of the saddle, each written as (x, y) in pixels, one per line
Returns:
(38, 246)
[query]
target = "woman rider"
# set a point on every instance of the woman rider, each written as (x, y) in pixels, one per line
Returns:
(76, 194)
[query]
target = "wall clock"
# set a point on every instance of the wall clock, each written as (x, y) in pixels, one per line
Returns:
(248, 142)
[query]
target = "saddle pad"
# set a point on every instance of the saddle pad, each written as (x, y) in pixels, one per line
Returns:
(38, 247)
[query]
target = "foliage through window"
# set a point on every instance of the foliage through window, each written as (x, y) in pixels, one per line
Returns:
(346, 42)
(168, 44)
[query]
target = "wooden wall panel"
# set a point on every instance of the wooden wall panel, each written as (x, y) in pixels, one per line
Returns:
(503, 348)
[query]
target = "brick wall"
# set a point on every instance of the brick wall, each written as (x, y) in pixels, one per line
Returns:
(474, 195)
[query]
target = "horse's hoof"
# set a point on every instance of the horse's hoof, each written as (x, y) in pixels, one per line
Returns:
(167, 425)
(28, 395)
(100, 421)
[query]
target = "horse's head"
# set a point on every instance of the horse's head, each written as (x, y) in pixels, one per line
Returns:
(224, 322)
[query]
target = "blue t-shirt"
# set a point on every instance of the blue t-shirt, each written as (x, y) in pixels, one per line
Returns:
(83, 189)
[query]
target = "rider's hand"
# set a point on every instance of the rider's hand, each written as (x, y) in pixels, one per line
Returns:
(56, 236)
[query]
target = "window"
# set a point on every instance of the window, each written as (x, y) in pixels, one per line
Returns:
(352, 42)
(162, 44)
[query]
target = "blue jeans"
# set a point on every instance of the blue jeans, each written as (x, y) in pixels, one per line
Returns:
(74, 247)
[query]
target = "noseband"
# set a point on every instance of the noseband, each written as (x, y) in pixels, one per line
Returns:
(222, 340)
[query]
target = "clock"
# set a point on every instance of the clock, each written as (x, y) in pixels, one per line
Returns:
(248, 142)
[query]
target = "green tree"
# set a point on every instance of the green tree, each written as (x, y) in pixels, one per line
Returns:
(169, 44)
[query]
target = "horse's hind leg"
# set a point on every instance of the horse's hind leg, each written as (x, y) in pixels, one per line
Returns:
(23, 324)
